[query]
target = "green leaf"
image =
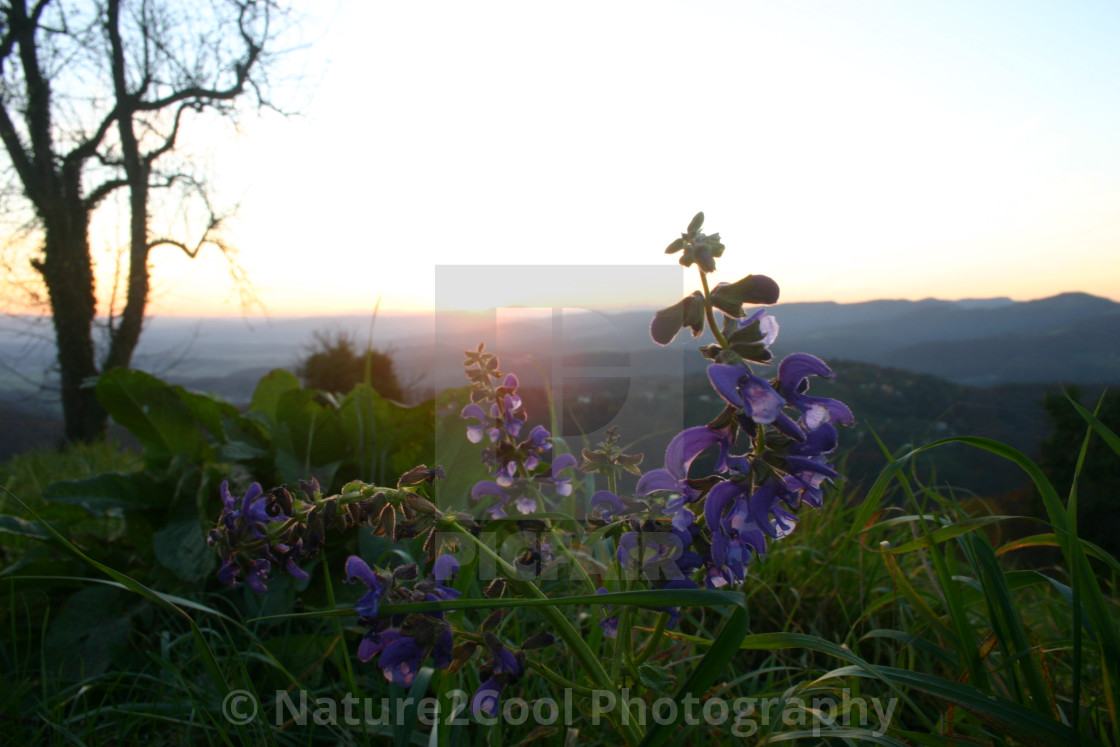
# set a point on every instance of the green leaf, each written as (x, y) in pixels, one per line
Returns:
(317, 436)
(688, 312)
(753, 289)
(1086, 588)
(91, 630)
(1102, 430)
(1007, 625)
(22, 527)
(270, 388)
(655, 677)
(109, 490)
(386, 438)
(1027, 724)
(181, 548)
(152, 411)
(208, 410)
(696, 222)
(163, 600)
(710, 667)
(643, 598)
(944, 534)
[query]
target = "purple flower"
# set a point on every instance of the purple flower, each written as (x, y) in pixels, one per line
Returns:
(560, 464)
(736, 538)
(257, 575)
(503, 669)
(804, 481)
(356, 568)
(609, 624)
(505, 662)
(400, 660)
(606, 503)
(489, 487)
(485, 700)
(475, 432)
(441, 650)
(229, 572)
(540, 441)
(445, 567)
(436, 590)
(793, 381)
(526, 504)
(761, 512)
(744, 390)
(286, 555)
(682, 452)
(376, 639)
(653, 553)
(508, 409)
(767, 325)
(244, 541)
(251, 514)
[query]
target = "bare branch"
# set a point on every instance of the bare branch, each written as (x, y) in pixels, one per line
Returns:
(103, 190)
(169, 141)
(95, 98)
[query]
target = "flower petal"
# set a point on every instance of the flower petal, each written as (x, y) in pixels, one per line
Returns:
(445, 567)
(400, 660)
(795, 368)
(607, 503)
(657, 479)
(359, 569)
(689, 444)
(717, 501)
(487, 487)
(725, 379)
(761, 402)
(485, 700)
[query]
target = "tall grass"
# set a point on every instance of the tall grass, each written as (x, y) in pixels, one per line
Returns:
(897, 591)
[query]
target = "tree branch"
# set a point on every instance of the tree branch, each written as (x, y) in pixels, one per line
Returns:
(102, 191)
(169, 142)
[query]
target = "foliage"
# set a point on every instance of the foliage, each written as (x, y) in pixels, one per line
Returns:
(334, 364)
(1098, 481)
(830, 610)
(890, 615)
(96, 98)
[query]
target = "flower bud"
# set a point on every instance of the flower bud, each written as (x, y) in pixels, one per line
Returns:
(495, 589)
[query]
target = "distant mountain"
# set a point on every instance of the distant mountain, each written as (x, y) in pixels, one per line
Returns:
(1072, 338)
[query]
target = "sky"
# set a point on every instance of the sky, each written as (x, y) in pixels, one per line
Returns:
(851, 151)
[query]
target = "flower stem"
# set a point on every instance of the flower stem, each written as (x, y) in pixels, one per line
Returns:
(562, 627)
(654, 639)
(348, 669)
(558, 541)
(560, 680)
(710, 314)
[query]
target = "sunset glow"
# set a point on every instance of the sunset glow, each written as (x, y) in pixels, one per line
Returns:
(856, 151)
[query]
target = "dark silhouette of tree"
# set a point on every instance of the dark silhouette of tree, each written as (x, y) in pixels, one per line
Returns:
(95, 97)
(335, 364)
(1098, 484)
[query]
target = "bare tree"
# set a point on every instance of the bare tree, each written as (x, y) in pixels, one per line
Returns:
(95, 99)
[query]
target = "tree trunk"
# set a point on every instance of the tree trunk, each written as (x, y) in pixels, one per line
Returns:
(68, 274)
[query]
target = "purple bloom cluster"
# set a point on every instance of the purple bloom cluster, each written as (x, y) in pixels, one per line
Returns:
(262, 531)
(254, 533)
(520, 468)
(771, 444)
(402, 643)
(504, 668)
(749, 498)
